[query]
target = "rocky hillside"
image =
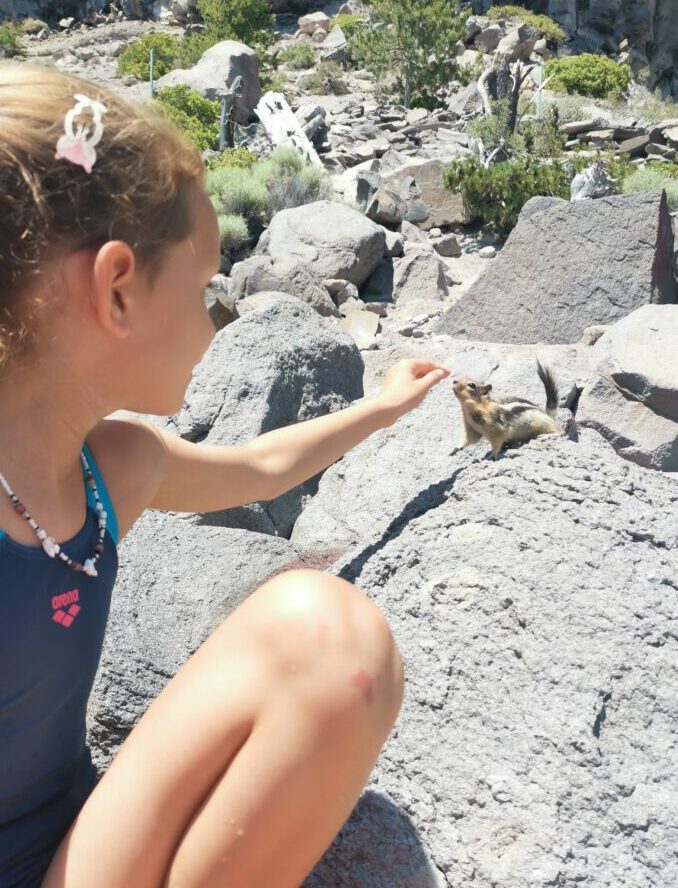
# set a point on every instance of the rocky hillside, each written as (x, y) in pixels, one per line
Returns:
(487, 219)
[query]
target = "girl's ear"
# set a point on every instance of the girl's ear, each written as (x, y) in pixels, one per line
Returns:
(114, 287)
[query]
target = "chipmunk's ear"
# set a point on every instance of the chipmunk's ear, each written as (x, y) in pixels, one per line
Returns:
(486, 389)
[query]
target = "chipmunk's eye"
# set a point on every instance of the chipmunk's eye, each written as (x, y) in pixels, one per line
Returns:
(471, 385)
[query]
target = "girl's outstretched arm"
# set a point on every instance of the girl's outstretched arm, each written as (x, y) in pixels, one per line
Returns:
(203, 478)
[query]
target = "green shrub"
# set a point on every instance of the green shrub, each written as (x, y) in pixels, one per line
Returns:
(10, 39)
(191, 49)
(233, 232)
(493, 129)
(328, 79)
(197, 117)
(669, 170)
(588, 75)
(547, 28)
(542, 138)
(232, 157)
(349, 23)
(33, 26)
(654, 177)
(617, 166)
(298, 57)
(255, 193)
(290, 180)
(495, 195)
(236, 192)
(249, 21)
(410, 47)
(135, 58)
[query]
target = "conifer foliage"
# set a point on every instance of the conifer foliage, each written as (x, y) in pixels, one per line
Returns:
(413, 42)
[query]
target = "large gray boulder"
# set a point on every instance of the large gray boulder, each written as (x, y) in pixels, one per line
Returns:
(567, 266)
(217, 69)
(419, 275)
(632, 395)
(334, 240)
(259, 273)
(176, 583)
(276, 365)
(534, 600)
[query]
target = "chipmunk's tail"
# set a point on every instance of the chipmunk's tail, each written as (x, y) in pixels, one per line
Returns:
(551, 389)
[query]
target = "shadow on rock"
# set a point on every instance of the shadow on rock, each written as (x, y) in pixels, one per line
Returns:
(378, 848)
(427, 499)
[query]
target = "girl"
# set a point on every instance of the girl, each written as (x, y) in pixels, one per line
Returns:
(250, 760)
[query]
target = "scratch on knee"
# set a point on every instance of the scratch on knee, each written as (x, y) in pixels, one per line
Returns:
(364, 682)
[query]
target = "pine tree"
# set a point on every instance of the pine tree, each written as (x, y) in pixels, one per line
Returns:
(413, 41)
(249, 21)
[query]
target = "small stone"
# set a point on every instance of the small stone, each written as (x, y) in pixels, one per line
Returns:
(487, 252)
(448, 246)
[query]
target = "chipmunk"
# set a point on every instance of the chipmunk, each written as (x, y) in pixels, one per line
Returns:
(506, 420)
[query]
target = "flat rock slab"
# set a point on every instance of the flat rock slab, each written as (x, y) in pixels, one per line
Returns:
(566, 266)
(535, 602)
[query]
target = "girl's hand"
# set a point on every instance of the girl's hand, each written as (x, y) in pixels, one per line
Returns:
(408, 382)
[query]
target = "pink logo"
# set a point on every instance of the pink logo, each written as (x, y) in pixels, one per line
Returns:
(66, 600)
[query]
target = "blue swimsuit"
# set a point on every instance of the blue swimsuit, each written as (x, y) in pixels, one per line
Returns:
(52, 623)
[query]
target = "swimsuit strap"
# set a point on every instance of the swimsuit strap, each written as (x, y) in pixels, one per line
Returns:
(111, 520)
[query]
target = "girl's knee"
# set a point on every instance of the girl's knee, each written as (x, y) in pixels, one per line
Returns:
(322, 625)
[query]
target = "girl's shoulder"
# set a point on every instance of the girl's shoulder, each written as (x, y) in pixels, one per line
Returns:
(129, 454)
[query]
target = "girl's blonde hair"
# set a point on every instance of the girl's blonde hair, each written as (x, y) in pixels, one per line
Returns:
(138, 190)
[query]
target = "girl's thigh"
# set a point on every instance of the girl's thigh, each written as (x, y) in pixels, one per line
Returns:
(305, 655)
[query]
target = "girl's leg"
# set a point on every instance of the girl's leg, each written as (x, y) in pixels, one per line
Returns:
(247, 764)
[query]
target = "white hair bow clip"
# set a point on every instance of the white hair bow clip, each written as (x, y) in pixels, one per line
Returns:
(78, 141)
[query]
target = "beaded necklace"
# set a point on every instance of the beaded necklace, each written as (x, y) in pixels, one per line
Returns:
(51, 547)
